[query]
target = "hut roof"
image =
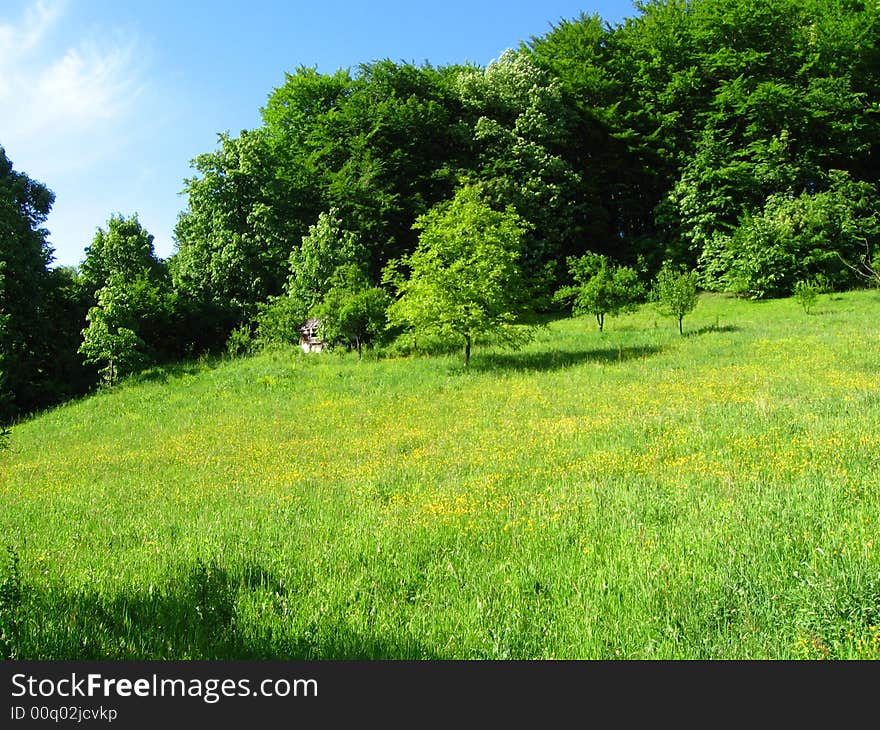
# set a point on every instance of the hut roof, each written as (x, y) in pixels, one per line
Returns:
(310, 324)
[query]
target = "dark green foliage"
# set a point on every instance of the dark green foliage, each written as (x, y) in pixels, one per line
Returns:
(326, 248)
(795, 238)
(721, 104)
(775, 103)
(232, 240)
(522, 136)
(381, 147)
(41, 311)
(24, 258)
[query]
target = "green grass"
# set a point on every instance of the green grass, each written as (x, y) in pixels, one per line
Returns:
(632, 494)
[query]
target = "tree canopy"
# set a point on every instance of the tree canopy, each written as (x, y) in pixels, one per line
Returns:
(38, 308)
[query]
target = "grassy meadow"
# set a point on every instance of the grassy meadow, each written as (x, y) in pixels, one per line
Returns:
(633, 494)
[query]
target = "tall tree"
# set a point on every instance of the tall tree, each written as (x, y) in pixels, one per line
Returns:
(132, 317)
(125, 249)
(5, 408)
(520, 133)
(233, 238)
(24, 259)
(110, 339)
(381, 146)
(327, 246)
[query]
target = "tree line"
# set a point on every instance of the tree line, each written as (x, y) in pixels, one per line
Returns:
(735, 139)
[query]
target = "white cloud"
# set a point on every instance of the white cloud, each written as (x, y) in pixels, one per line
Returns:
(86, 87)
(65, 97)
(38, 18)
(72, 95)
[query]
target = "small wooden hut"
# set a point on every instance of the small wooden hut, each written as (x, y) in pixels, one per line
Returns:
(309, 339)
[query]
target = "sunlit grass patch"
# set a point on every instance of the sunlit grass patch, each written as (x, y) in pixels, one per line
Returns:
(631, 494)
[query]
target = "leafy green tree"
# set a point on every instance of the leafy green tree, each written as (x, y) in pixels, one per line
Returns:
(772, 107)
(380, 146)
(352, 311)
(675, 292)
(131, 321)
(24, 259)
(125, 249)
(234, 237)
(521, 135)
(110, 339)
(464, 279)
(698, 112)
(326, 247)
(5, 408)
(600, 288)
(33, 356)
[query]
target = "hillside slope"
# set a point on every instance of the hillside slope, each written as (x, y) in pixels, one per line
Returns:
(632, 494)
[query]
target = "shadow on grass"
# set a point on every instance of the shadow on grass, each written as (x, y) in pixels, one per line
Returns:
(557, 360)
(164, 373)
(195, 616)
(712, 328)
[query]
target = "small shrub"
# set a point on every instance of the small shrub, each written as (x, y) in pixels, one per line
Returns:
(240, 342)
(806, 292)
(675, 293)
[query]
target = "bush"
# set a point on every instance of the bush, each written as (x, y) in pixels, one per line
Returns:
(807, 291)
(278, 322)
(794, 238)
(240, 342)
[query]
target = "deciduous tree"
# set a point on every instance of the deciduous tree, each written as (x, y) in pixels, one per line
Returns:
(463, 280)
(601, 287)
(675, 292)
(352, 311)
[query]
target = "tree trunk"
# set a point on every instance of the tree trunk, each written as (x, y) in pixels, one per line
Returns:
(600, 318)
(467, 350)
(680, 330)
(357, 341)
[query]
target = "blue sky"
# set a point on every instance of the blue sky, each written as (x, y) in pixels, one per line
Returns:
(107, 101)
